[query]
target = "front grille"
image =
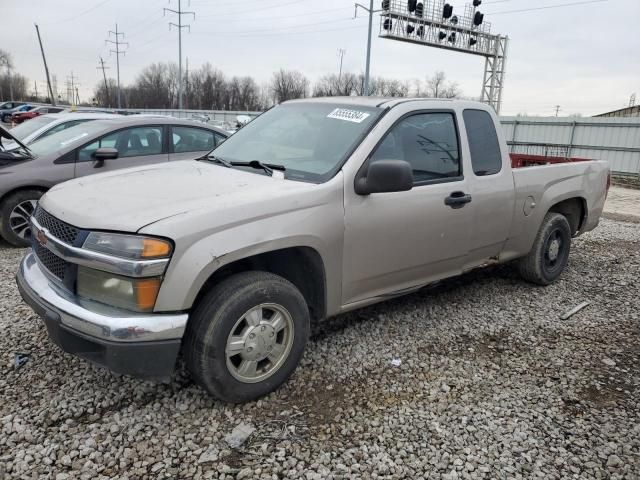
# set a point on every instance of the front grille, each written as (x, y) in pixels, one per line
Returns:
(62, 231)
(56, 266)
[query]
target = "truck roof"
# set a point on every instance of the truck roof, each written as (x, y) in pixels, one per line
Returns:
(385, 102)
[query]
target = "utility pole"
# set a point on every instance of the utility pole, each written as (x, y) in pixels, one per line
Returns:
(46, 69)
(106, 86)
(77, 96)
(366, 72)
(35, 88)
(180, 26)
(341, 52)
(557, 109)
(118, 52)
(186, 81)
(72, 88)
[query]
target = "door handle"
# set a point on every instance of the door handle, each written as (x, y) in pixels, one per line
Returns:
(457, 199)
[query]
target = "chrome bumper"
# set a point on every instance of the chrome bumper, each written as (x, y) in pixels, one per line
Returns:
(95, 320)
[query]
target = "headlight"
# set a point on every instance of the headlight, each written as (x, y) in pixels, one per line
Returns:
(135, 247)
(136, 294)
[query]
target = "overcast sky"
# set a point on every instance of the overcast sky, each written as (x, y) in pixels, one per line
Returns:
(585, 58)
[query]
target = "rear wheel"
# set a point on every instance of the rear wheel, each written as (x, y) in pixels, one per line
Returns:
(246, 336)
(550, 253)
(16, 211)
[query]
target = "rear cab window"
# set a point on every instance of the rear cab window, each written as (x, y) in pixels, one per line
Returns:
(486, 157)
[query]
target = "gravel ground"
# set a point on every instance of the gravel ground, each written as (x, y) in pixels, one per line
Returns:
(475, 378)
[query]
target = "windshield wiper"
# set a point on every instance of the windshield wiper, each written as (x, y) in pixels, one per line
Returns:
(220, 160)
(267, 167)
(257, 164)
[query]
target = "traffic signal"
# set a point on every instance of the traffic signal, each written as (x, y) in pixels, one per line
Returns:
(447, 11)
(478, 18)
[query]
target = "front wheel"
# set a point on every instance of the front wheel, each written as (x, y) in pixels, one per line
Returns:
(16, 211)
(246, 337)
(550, 253)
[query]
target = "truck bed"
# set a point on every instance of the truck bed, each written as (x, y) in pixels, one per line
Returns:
(547, 181)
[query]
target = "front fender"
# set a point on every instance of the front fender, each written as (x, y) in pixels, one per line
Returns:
(197, 256)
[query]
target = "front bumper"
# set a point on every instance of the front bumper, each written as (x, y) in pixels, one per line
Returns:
(141, 345)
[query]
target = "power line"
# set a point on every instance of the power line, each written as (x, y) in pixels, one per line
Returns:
(244, 12)
(98, 5)
(179, 26)
(547, 7)
(282, 17)
(306, 32)
(302, 25)
(118, 52)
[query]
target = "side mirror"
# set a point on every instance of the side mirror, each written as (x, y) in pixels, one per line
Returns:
(105, 153)
(385, 176)
(102, 154)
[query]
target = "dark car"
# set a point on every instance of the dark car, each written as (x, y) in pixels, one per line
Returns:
(19, 117)
(91, 147)
(5, 115)
(9, 105)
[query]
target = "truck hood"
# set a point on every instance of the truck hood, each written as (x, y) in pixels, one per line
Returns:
(128, 200)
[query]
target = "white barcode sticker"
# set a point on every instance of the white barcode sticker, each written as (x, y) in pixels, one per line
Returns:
(349, 115)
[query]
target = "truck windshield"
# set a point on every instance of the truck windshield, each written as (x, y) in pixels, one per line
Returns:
(311, 140)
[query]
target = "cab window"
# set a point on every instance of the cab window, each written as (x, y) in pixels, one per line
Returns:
(428, 142)
(486, 158)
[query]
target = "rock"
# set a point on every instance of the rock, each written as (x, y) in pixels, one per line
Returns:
(239, 435)
(614, 461)
(210, 455)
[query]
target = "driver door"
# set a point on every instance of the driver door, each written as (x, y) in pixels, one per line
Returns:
(136, 146)
(401, 240)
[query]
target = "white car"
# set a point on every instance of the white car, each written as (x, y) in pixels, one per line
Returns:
(45, 125)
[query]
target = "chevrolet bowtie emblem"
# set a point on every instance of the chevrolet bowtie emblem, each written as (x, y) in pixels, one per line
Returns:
(41, 237)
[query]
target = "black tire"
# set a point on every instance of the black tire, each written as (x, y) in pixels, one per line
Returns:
(13, 230)
(218, 312)
(545, 263)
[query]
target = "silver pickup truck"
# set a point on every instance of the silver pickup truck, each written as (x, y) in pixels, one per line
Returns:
(315, 208)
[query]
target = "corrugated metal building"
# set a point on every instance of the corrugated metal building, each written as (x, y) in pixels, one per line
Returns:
(616, 140)
(632, 111)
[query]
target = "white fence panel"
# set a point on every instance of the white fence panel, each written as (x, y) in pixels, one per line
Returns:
(616, 140)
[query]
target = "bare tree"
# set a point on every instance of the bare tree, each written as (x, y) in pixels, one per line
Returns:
(288, 84)
(103, 97)
(439, 87)
(334, 85)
